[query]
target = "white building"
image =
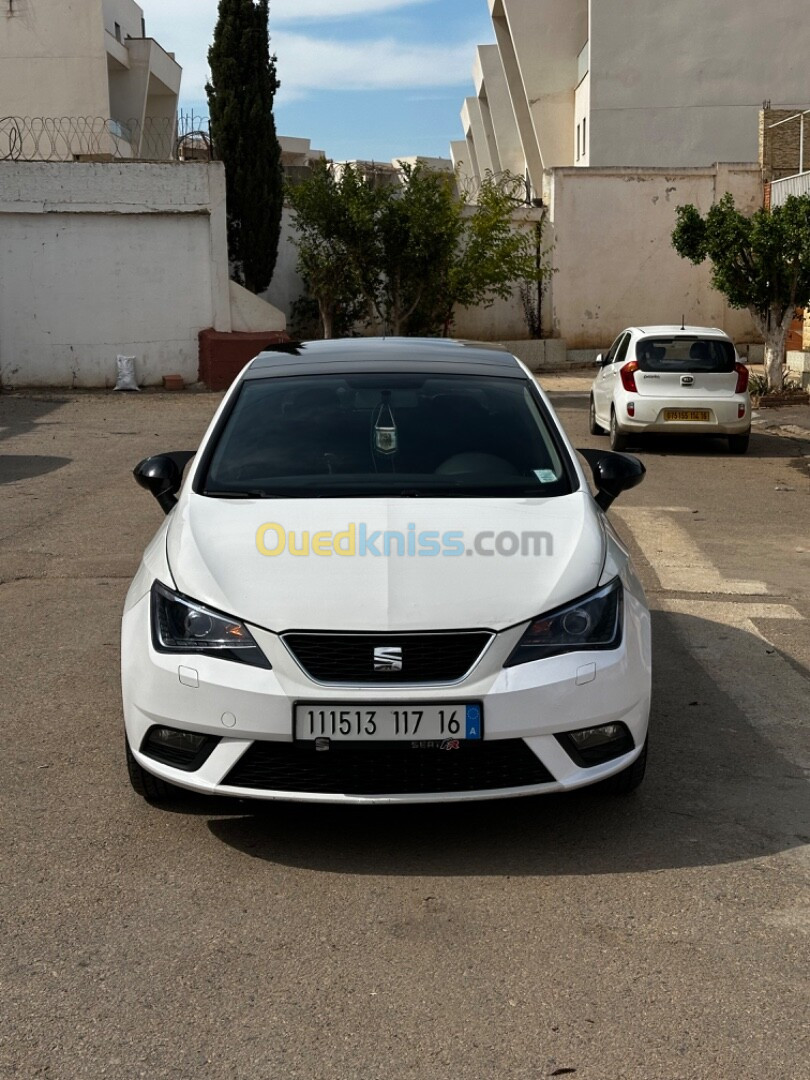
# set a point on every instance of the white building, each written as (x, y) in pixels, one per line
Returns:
(630, 82)
(87, 78)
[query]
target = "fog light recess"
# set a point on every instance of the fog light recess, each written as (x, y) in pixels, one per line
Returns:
(181, 749)
(596, 745)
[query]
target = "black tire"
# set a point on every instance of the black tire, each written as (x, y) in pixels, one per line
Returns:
(628, 779)
(594, 427)
(149, 787)
(618, 441)
(738, 444)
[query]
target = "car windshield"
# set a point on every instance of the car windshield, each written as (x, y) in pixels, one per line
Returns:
(685, 353)
(383, 435)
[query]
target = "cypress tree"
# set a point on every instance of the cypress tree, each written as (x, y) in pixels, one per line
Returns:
(240, 100)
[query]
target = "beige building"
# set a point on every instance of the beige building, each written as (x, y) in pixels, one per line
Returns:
(87, 79)
(629, 83)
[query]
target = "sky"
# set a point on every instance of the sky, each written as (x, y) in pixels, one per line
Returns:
(366, 79)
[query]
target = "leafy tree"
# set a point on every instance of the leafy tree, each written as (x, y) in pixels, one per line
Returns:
(335, 215)
(240, 99)
(761, 262)
(493, 254)
(410, 254)
(419, 229)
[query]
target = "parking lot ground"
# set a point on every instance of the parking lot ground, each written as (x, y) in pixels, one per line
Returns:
(665, 935)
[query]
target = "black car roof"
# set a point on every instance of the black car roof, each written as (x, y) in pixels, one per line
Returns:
(357, 355)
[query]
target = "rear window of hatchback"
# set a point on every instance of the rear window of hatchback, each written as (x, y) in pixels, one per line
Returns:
(684, 353)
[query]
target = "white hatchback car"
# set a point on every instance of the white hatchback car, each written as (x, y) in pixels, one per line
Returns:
(385, 579)
(681, 380)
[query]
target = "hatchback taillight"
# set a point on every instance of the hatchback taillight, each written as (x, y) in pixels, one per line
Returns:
(742, 378)
(628, 374)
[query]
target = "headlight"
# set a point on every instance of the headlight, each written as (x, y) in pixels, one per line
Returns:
(183, 625)
(593, 622)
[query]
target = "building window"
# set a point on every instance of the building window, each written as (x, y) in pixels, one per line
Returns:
(117, 31)
(577, 142)
(143, 27)
(584, 135)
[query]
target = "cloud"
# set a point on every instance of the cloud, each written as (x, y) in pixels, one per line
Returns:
(307, 64)
(287, 11)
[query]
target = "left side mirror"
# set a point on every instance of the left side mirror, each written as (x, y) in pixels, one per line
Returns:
(613, 473)
(162, 476)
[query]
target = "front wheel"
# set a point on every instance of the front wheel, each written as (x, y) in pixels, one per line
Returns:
(149, 787)
(593, 425)
(738, 444)
(618, 440)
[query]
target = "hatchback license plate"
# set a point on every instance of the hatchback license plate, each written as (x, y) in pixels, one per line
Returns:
(388, 723)
(688, 414)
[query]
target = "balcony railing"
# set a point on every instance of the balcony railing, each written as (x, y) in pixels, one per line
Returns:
(790, 185)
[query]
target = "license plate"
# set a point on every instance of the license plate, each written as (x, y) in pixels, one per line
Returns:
(687, 414)
(388, 723)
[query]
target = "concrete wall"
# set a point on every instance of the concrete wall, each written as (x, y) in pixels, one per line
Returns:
(127, 14)
(60, 61)
(102, 259)
(616, 266)
(682, 84)
(53, 60)
(491, 84)
(676, 85)
(286, 286)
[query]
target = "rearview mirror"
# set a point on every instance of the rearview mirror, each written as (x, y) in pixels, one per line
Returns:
(613, 473)
(162, 476)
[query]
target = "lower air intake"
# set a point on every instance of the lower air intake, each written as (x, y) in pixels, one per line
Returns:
(388, 768)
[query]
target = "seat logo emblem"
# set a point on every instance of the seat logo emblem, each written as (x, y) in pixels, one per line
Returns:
(388, 658)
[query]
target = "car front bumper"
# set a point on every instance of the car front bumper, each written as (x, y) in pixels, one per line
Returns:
(250, 709)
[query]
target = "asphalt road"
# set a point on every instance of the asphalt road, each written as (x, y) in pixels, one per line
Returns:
(660, 936)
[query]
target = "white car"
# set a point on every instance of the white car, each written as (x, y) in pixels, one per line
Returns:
(385, 579)
(677, 380)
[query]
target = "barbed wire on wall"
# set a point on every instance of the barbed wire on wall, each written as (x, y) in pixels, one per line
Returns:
(83, 138)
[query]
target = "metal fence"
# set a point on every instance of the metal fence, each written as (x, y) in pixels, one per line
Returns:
(92, 138)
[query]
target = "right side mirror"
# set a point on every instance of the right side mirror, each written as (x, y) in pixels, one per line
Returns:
(613, 473)
(599, 360)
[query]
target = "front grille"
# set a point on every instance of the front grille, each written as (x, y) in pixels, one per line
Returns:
(388, 768)
(349, 658)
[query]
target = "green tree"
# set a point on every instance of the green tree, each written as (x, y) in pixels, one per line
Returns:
(419, 229)
(240, 99)
(760, 262)
(495, 251)
(335, 234)
(409, 254)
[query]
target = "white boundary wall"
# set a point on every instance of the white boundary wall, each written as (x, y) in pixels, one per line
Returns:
(102, 259)
(612, 231)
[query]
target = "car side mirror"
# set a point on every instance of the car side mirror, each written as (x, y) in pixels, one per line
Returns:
(162, 476)
(599, 360)
(613, 473)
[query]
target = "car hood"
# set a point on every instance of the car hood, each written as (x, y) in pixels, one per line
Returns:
(214, 558)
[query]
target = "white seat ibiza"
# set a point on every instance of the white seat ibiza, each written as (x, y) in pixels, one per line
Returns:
(385, 579)
(674, 380)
